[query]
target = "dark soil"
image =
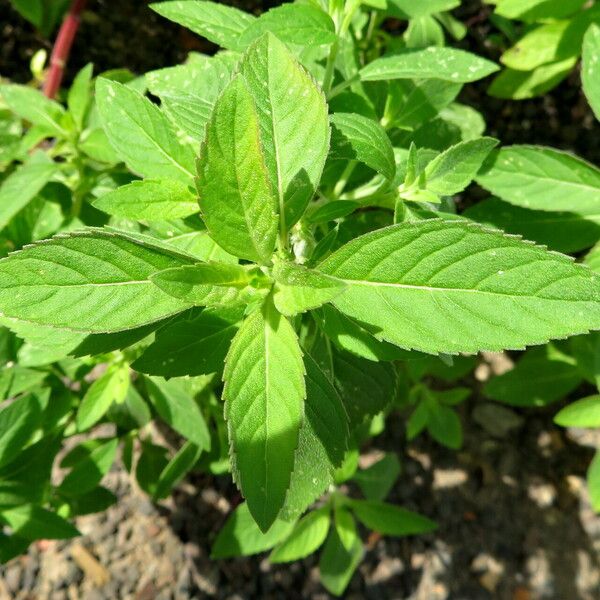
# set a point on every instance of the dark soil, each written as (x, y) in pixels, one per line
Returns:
(514, 519)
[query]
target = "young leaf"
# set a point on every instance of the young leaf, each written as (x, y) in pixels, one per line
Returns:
(33, 106)
(92, 280)
(212, 284)
(179, 410)
(453, 170)
(241, 535)
(301, 24)
(377, 480)
(150, 200)
(337, 564)
(389, 519)
(449, 64)
(531, 11)
(338, 209)
(593, 481)
(178, 466)
(322, 443)
(23, 184)
(298, 289)
(80, 95)
(287, 96)
(18, 422)
(141, 134)
(87, 473)
(544, 179)
(345, 526)
(236, 199)
(582, 413)
(461, 288)
(406, 9)
(307, 537)
(354, 137)
(444, 425)
(214, 21)
(561, 231)
(33, 522)
(191, 346)
(590, 67)
(110, 387)
(264, 407)
(541, 377)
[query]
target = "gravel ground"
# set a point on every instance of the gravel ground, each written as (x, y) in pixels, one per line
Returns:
(514, 524)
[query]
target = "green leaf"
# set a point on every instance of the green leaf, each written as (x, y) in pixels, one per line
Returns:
(110, 387)
(301, 24)
(461, 288)
(178, 409)
(97, 500)
(366, 387)
(178, 466)
(520, 85)
(585, 349)
(298, 289)
(337, 565)
(412, 103)
(535, 10)
(94, 143)
(141, 134)
(33, 106)
(80, 95)
(593, 481)
(389, 519)
(33, 523)
(93, 280)
(590, 68)
(541, 377)
(241, 535)
(214, 21)
(345, 526)
(377, 480)
(406, 9)
(287, 96)
(307, 537)
(212, 283)
(444, 425)
(87, 473)
(192, 346)
(559, 230)
(188, 92)
(448, 64)
(348, 335)
(592, 259)
(150, 200)
(150, 464)
(331, 211)
(236, 199)
(264, 407)
(454, 169)
(582, 413)
(543, 179)
(322, 443)
(355, 137)
(18, 422)
(23, 184)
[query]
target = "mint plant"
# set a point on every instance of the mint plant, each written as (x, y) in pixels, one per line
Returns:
(265, 254)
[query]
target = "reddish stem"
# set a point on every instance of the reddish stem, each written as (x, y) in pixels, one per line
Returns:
(62, 48)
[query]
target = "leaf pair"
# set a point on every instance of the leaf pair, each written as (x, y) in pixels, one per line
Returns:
(263, 154)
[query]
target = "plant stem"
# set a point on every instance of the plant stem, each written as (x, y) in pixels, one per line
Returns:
(62, 48)
(343, 180)
(330, 67)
